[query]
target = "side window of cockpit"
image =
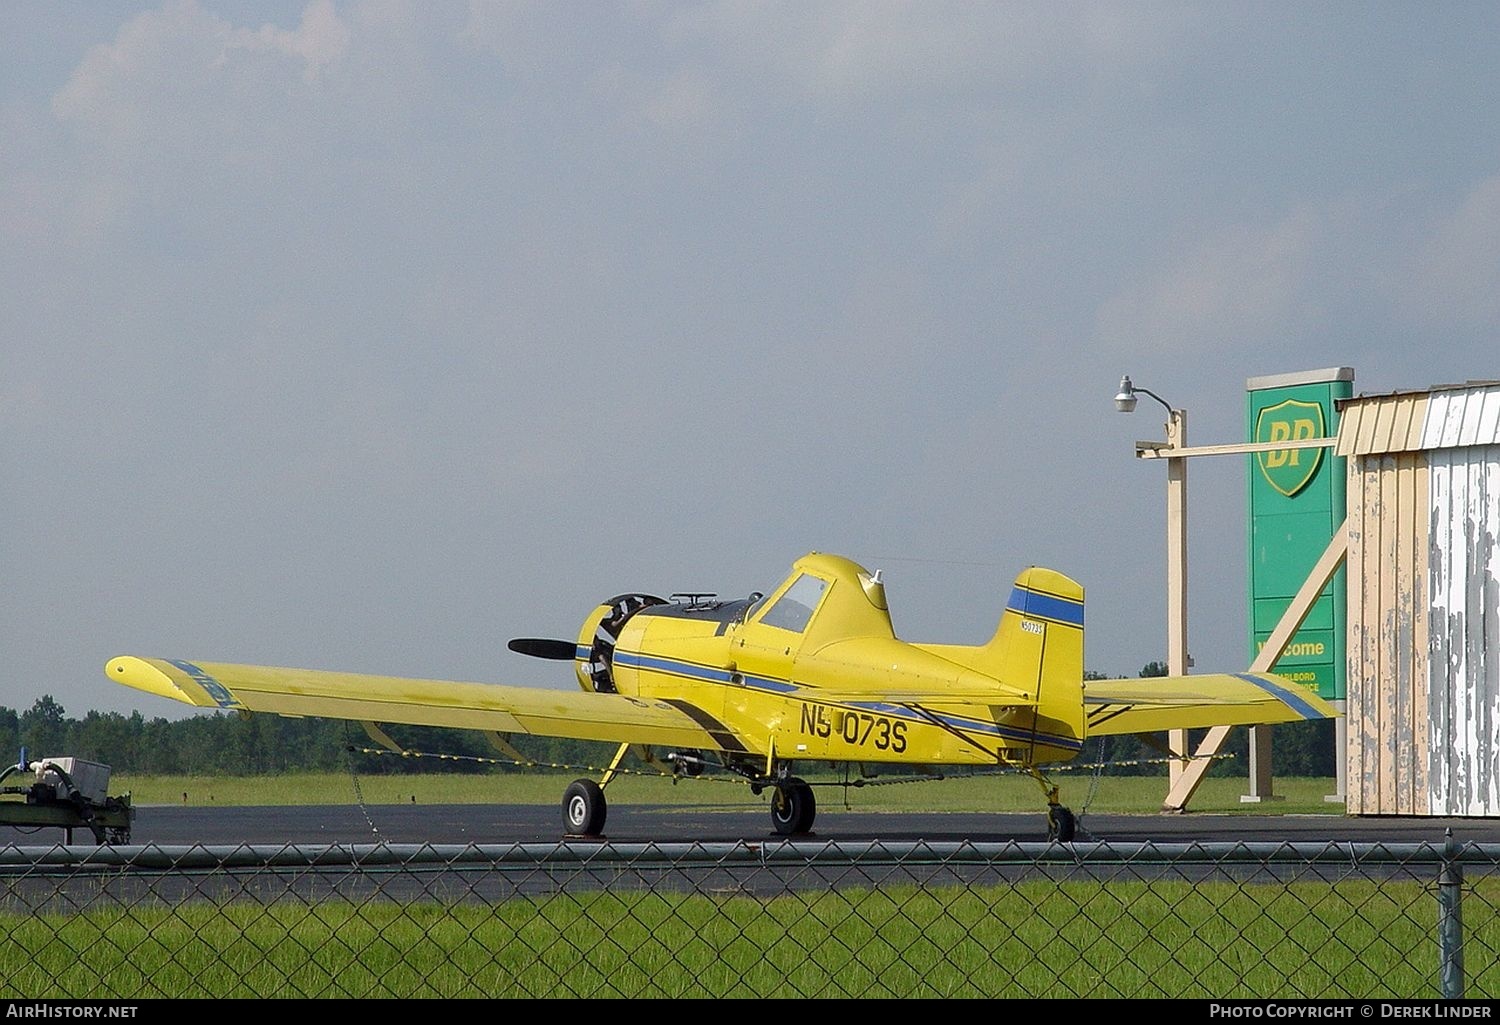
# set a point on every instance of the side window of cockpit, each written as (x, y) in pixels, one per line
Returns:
(794, 608)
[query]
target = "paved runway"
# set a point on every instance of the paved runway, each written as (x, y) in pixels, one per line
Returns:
(246, 851)
(498, 824)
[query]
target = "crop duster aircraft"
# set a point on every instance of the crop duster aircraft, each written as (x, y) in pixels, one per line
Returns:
(811, 673)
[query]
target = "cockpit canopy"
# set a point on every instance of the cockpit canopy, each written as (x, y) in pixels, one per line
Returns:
(826, 598)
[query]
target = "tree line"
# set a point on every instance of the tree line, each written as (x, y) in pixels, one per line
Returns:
(224, 743)
(230, 744)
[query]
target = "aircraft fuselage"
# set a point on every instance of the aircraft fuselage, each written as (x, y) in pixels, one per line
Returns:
(773, 692)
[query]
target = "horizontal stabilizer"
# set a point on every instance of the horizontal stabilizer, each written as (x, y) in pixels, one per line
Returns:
(1154, 703)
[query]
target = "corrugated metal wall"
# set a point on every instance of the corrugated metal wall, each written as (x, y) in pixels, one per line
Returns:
(1387, 689)
(1465, 631)
(1424, 602)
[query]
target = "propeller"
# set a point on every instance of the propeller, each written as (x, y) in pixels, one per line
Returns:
(544, 647)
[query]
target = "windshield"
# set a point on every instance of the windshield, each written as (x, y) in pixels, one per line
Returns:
(795, 607)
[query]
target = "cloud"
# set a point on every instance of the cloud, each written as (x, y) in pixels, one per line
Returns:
(690, 63)
(1243, 283)
(182, 102)
(176, 52)
(320, 41)
(1453, 279)
(855, 51)
(1338, 270)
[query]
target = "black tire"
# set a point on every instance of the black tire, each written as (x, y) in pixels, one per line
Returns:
(584, 808)
(1060, 824)
(793, 808)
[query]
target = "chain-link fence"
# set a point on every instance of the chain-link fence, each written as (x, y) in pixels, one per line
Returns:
(772, 919)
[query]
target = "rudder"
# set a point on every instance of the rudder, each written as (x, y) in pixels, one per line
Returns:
(1038, 646)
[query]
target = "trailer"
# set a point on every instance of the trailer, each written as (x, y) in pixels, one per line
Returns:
(65, 792)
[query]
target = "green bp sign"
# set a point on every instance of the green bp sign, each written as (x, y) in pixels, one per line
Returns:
(1290, 470)
(1296, 498)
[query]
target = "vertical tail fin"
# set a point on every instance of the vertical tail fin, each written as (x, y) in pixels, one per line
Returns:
(1039, 646)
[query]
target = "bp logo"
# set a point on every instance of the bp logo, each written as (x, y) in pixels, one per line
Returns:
(1289, 470)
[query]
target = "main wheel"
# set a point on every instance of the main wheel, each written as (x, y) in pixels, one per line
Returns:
(1060, 824)
(584, 808)
(793, 807)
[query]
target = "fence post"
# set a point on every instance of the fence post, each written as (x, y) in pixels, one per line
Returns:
(1451, 921)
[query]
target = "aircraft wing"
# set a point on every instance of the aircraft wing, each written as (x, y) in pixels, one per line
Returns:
(576, 714)
(1151, 704)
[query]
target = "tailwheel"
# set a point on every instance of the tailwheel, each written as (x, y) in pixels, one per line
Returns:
(793, 807)
(1060, 824)
(584, 808)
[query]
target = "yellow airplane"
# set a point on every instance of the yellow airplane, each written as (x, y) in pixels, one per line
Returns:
(812, 673)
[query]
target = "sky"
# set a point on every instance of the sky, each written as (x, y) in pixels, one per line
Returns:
(369, 335)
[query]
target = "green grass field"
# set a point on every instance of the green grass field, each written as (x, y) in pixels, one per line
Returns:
(1111, 794)
(1031, 939)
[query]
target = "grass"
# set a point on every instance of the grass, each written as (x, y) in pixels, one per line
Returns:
(1110, 795)
(1026, 939)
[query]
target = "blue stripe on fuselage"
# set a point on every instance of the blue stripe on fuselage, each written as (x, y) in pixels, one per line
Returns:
(782, 688)
(1046, 606)
(671, 666)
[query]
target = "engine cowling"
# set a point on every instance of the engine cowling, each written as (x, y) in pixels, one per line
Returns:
(600, 632)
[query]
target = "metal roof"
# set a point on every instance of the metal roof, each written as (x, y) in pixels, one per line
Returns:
(1452, 416)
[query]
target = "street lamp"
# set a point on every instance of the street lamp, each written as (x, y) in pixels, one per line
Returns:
(1125, 400)
(1177, 650)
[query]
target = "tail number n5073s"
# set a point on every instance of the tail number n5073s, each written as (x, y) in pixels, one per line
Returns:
(855, 727)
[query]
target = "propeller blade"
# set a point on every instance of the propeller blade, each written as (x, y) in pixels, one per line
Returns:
(544, 647)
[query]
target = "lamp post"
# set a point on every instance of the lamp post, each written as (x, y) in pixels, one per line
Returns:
(1177, 649)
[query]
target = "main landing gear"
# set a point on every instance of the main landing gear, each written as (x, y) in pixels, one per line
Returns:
(584, 807)
(792, 807)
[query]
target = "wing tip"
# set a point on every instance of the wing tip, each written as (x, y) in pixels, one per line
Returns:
(145, 675)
